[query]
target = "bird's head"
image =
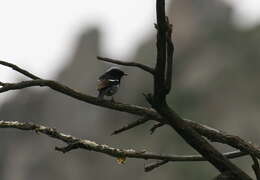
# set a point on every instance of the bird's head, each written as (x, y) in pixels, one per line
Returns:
(115, 73)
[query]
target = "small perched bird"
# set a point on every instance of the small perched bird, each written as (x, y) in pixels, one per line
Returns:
(109, 82)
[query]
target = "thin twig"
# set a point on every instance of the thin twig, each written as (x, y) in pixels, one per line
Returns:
(131, 125)
(230, 155)
(152, 166)
(134, 64)
(18, 69)
(155, 127)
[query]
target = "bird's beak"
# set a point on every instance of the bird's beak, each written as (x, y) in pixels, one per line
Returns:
(125, 74)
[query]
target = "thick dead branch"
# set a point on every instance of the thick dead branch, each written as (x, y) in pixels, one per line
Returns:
(211, 133)
(158, 102)
(219, 136)
(75, 143)
(134, 64)
(133, 109)
(158, 99)
(201, 145)
(170, 51)
(159, 76)
(215, 135)
(93, 100)
(191, 132)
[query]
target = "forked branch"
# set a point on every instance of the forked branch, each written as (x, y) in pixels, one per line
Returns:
(209, 132)
(190, 131)
(162, 88)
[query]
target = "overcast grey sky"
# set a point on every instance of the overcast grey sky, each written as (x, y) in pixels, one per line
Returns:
(35, 34)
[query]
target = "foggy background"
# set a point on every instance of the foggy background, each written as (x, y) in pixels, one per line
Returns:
(215, 82)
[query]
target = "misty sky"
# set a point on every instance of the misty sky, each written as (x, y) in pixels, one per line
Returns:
(35, 34)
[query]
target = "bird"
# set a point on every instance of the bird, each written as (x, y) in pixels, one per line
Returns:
(109, 82)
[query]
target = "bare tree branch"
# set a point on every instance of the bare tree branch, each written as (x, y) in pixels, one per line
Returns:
(211, 133)
(202, 146)
(219, 136)
(230, 155)
(155, 165)
(131, 125)
(256, 167)
(208, 132)
(134, 64)
(215, 135)
(18, 69)
(169, 60)
(105, 149)
(93, 146)
(133, 109)
(158, 102)
(160, 91)
(156, 126)
(190, 131)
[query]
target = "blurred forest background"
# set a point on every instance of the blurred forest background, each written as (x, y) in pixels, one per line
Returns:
(216, 82)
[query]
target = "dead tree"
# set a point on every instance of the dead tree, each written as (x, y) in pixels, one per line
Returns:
(196, 135)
